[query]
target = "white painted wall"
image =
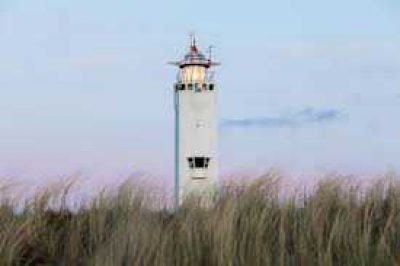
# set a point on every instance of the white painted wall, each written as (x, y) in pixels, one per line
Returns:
(197, 134)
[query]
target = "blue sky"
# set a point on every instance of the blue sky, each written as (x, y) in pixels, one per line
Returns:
(307, 86)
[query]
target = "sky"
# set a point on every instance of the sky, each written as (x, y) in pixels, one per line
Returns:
(309, 86)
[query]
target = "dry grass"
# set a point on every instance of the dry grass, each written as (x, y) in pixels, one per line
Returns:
(336, 224)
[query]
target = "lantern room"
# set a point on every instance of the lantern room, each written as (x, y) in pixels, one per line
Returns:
(194, 67)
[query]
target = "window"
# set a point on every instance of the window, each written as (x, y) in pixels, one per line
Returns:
(180, 87)
(211, 87)
(207, 162)
(198, 162)
(197, 87)
(190, 86)
(204, 87)
(191, 162)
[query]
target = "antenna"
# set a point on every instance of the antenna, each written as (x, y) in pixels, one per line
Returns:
(210, 52)
(192, 39)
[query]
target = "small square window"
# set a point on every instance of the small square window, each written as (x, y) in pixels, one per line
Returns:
(206, 163)
(190, 86)
(197, 87)
(191, 162)
(199, 162)
(180, 87)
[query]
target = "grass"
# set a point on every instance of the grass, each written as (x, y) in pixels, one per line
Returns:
(336, 223)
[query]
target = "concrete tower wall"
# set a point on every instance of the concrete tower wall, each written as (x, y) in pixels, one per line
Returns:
(196, 140)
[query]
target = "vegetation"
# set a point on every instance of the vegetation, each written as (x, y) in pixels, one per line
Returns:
(335, 223)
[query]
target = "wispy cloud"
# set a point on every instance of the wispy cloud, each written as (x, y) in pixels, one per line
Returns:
(303, 117)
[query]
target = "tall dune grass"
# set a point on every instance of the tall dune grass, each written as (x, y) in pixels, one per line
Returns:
(337, 223)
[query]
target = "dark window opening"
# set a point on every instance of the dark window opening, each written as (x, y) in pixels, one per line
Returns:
(190, 86)
(197, 87)
(191, 162)
(198, 162)
(206, 163)
(178, 87)
(211, 87)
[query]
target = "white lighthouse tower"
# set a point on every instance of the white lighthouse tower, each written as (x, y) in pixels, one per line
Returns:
(195, 97)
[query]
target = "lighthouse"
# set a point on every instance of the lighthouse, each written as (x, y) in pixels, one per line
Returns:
(196, 133)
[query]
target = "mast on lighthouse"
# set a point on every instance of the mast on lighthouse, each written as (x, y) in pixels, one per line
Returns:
(195, 98)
